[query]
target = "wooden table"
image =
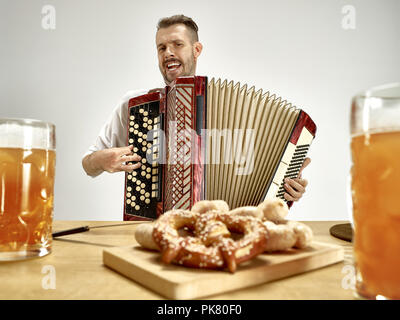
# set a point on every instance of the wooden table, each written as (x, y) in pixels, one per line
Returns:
(80, 273)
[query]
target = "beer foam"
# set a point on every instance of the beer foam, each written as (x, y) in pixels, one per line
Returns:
(27, 134)
(375, 131)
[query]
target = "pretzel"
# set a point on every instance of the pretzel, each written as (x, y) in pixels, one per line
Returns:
(283, 234)
(211, 247)
(166, 235)
(281, 237)
(144, 236)
(286, 235)
(303, 233)
(235, 252)
(210, 227)
(248, 211)
(204, 206)
(274, 209)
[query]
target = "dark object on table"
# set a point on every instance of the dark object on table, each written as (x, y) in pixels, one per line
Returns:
(87, 228)
(342, 231)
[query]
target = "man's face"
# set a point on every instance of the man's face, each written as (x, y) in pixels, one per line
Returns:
(177, 52)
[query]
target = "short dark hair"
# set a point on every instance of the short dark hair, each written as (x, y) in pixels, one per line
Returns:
(180, 18)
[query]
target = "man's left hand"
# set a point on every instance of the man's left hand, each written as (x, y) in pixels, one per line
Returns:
(295, 188)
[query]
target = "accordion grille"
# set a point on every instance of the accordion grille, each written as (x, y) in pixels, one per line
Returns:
(179, 176)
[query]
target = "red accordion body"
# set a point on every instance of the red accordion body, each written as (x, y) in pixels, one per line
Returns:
(177, 170)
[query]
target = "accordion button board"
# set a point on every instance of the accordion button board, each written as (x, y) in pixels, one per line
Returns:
(143, 187)
(290, 164)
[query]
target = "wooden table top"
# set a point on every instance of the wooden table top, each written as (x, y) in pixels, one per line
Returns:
(76, 261)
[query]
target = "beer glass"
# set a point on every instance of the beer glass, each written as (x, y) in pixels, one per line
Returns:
(27, 169)
(375, 188)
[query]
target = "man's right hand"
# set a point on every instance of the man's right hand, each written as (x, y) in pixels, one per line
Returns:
(111, 160)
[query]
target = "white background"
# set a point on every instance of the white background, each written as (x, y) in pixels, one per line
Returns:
(76, 74)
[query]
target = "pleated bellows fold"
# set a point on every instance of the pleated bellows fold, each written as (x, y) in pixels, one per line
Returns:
(247, 131)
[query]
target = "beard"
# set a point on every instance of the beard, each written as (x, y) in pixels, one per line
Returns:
(185, 69)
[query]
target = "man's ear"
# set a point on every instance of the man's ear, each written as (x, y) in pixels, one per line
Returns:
(197, 48)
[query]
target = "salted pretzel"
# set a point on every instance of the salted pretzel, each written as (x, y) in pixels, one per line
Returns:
(234, 252)
(248, 211)
(283, 234)
(144, 232)
(287, 235)
(211, 245)
(274, 209)
(204, 206)
(144, 236)
(210, 227)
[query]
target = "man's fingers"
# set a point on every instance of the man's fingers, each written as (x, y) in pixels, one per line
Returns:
(306, 162)
(296, 184)
(295, 188)
(130, 167)
(288, 197)
(302, 182)
(125, 150)
(134, 157)
(292, 192)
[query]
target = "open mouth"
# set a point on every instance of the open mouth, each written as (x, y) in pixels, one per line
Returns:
(173, 65)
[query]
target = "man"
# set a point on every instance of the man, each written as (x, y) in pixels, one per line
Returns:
(178, 49)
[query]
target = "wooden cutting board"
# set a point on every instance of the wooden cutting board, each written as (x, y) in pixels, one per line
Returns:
(178, 282)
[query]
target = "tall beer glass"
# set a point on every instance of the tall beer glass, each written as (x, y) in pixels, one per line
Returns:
(27, 169)
(375, 186)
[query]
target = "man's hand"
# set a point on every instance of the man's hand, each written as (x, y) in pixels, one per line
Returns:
(296, 187)
(111, 160)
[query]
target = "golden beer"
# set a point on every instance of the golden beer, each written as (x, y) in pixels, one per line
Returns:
(375, 176)
(27, 170)
(26, 198)
(376, 211)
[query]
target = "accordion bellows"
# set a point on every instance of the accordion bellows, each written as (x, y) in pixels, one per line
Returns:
(230, 142)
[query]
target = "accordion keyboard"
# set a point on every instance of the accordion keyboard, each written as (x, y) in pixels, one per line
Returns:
(290, 164)
(294, 167)
(143, 186)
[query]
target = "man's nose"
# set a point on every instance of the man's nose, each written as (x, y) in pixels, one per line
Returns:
(169, 52)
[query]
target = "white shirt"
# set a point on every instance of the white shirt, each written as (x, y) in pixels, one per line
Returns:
(113, 133)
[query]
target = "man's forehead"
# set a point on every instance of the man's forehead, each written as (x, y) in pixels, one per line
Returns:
(172, 33)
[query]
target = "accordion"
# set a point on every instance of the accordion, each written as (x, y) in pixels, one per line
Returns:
(211, 140)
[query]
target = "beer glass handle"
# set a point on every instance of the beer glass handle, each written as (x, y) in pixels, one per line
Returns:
(70, 231)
